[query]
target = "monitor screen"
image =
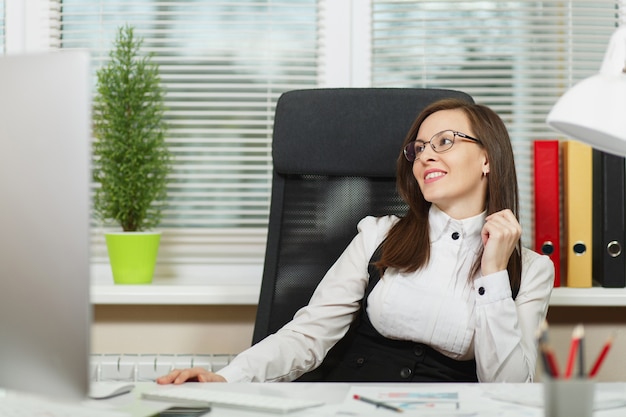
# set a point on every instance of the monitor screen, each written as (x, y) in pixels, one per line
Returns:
(45, 311)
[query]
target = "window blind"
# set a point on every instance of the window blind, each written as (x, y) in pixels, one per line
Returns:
(223, 65)
(518, 57)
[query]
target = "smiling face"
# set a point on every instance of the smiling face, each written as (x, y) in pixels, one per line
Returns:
(452, 180)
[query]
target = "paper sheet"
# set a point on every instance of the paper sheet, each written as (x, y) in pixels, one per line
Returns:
(413, 401)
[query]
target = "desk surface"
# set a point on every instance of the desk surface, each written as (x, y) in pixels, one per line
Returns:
(472, 399)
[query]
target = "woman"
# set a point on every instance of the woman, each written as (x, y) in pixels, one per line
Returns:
(446, 293)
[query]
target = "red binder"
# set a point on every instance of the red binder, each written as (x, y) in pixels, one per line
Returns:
(547, 206)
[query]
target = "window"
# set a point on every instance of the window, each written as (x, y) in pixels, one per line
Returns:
(225, 63)
(223, 66)
(517, 57)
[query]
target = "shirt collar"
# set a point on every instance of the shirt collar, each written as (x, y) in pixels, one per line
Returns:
(442, 225)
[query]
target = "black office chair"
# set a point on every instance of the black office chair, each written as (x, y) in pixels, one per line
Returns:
(334, 154)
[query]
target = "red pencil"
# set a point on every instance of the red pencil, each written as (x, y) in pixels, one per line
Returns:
(550, 361)
(605, 349)
(553, 363)
(577, 334)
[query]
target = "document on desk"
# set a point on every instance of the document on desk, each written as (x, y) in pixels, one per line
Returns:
(407, 401)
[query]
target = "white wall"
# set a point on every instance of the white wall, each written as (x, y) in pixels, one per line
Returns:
(152, 329)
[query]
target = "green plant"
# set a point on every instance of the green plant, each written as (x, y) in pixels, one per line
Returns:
(131, 160)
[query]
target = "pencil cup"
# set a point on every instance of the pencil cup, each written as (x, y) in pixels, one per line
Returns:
(568, 397)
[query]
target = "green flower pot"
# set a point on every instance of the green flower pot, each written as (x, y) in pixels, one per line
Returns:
(133, 256)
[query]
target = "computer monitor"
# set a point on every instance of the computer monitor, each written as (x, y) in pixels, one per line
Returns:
(45, 311)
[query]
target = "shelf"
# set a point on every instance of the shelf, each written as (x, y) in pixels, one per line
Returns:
(242, 294)
(240, 285)
(590, 297)
(175, 294)
(213, 285)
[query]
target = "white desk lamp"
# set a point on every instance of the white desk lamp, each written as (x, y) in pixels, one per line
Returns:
(594, 110)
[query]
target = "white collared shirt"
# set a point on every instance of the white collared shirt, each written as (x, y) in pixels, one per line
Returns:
(442, 315)
(437, 305)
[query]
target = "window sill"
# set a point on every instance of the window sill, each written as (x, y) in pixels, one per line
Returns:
(240, 285)
(212, 285)
(175, 294)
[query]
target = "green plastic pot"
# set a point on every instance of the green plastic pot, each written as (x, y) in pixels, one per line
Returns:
(133, 256)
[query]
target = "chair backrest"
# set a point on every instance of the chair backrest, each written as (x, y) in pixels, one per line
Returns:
(334, 154)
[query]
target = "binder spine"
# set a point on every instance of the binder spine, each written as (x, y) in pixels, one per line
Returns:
(578, 197)
(547, 202)
(613, 221)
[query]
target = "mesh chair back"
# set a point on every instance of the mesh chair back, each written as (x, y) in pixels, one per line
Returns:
(334, 154)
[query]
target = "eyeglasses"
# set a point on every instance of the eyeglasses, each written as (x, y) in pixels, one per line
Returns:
(440, 142)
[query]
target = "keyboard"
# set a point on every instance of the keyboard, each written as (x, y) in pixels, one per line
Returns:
(208, 397)
(26, 406)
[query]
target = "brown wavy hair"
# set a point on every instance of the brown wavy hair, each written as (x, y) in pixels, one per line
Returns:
(407, 246)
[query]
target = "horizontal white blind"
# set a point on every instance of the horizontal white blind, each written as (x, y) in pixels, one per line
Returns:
(518, 57)
(223, 65)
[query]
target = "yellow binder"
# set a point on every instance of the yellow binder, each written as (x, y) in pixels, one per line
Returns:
(578, 199)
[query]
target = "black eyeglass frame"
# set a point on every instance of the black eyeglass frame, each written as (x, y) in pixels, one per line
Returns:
(434, 148)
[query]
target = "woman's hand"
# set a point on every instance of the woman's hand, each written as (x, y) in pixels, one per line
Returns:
(500, 235)
(197, 374)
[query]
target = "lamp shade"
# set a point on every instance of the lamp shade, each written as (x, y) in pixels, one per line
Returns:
(594, 110)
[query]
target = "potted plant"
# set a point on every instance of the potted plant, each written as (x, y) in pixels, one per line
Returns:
(131, 160)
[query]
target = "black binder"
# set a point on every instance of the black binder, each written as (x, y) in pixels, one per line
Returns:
(611, 270)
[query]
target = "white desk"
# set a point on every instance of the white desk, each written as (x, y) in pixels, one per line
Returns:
(474, 399)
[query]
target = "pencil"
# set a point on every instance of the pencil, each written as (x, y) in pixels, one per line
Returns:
(549, 360)
(577, 334)
(378, 403)
(605, 349)
(581, 356)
